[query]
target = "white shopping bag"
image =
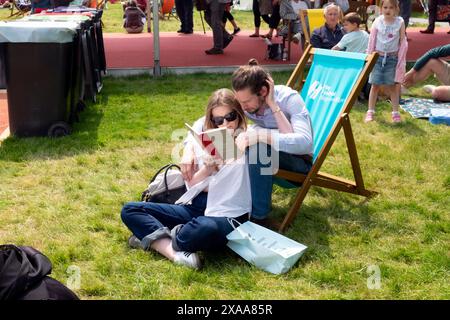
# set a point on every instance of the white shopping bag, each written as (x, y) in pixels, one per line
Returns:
(264, 248)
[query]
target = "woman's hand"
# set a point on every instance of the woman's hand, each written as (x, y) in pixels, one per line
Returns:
(211, 164)
(187, 164)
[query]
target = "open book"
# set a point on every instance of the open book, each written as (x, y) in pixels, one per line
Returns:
(219, 143)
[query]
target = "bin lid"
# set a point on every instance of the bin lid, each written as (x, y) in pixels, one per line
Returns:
(38, 31)
(56, 18)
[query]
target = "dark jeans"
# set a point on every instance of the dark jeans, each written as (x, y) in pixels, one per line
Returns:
(152, 221)
(213, 16)
(262, 184)
(185, 13)
(405, 11)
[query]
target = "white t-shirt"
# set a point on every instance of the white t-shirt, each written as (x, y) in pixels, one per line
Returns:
(229, 193)
(388, 35)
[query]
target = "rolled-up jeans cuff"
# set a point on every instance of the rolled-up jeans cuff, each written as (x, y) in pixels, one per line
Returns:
(147, 241)
(174, 244)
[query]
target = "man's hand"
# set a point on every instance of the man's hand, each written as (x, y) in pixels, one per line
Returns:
(246, 139)
(270, 100)
(409, 78)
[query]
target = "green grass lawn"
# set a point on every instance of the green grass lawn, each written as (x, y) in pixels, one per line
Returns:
(64, 196)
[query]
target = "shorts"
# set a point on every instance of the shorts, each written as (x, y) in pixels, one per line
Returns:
(384, 74)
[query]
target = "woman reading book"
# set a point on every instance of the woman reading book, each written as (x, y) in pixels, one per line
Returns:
(217, 191)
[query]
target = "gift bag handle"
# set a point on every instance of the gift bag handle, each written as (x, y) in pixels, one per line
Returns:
(231, 221)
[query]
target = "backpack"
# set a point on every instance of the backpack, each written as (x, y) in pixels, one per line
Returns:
(275, 51)
(133, 18)
(166, 186)
(24, 276)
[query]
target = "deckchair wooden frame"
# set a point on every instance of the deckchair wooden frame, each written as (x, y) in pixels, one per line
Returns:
(15, 5)
(315, 177)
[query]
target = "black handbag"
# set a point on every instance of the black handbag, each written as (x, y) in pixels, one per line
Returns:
(166, 186)
(275, 51)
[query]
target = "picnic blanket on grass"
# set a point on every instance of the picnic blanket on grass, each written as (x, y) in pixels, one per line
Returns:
(420, 108)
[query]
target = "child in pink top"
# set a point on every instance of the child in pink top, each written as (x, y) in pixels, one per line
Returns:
(387, 37)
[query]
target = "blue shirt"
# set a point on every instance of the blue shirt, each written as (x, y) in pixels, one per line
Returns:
(293, 107)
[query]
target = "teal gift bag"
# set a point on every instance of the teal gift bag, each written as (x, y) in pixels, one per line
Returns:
(264, 248)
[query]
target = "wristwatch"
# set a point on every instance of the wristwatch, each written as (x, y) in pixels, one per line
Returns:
(278, 109)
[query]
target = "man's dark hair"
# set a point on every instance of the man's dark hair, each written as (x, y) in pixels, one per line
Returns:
(251, 76)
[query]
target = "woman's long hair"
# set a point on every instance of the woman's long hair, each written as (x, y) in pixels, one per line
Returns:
(224, 97)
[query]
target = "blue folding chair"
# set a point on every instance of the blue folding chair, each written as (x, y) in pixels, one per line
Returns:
(332, 86)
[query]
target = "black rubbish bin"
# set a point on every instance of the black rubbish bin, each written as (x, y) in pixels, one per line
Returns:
(82, 75)
(38, 59)
(93, 44)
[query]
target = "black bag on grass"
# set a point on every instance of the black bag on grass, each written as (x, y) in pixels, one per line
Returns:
(24, 276)
(166, 186)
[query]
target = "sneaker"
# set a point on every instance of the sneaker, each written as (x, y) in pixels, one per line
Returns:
(254, 35)
(428, 88)
(226, 42)
(369, 116)
(396, 117)
(188, 259)
(427, 31)
(214, 51)
(134, 242)
(236, 31)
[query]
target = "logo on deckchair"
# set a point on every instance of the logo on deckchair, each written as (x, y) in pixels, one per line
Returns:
(326, 92)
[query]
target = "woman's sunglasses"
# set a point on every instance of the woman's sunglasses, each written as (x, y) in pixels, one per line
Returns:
(218, 121)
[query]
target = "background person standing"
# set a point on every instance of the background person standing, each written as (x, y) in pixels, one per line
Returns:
(185, 13)
(213, 16)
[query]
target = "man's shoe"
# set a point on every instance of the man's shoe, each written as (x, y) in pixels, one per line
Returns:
(236, 31)
(134, 242)
(188, 259)
(180, 31)
(427, 31)
(188, 32)
(226, 42)
(214, 51)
